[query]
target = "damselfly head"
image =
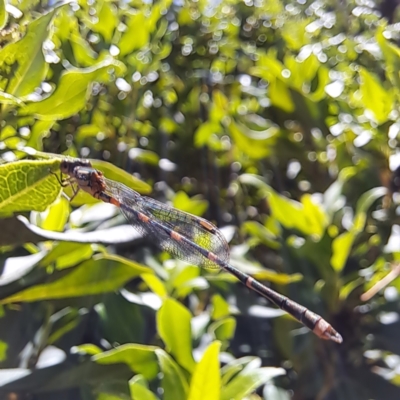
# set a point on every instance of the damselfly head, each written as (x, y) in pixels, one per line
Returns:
(68, 166)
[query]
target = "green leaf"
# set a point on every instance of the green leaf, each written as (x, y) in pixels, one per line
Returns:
(6, 98)
(155, 284)
(67, 254)
(189, 205)
(102, 274)
(206, 378)
(223, 329)
(220, 307)
(139, 389)
(374, 97)
(140, 359)
(25, 56)
(56, 215)
(107, 20)
(3, 14)
(174, 383)
(136, 36)
(205, 131)
(278, 278)
(3, 350)
(252, 146)
(247, 381)
(280, 96)
(114, 173)
(72, 91)
(341, 247)
(307, 217)
(173, 325)
(28, 185)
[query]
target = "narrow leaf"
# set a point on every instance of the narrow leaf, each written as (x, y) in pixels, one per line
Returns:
(206, 379)
(174, 383)
(173, 325)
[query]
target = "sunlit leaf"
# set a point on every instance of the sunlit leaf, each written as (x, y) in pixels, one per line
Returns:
(155, 284)
(99, 275)
(27, 185)
(341, 247)
(375, 97)
(137, 34)
(25, 56)
(254, 148)
(206, 379)
(173, 325)
(174, 382)
(141, 359)
(3, 14)
(248, 380)
(139, 390)
(223, 329)
(72, 92)
(56, 215)
(220, 307)
(107, 20)
(280, 96)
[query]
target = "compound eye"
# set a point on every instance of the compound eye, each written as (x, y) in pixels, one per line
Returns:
(64, 167)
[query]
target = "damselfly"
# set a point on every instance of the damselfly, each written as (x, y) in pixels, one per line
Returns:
(185, 236)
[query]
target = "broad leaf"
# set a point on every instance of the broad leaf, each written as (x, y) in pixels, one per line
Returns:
(141, 359)
(98, 275)
(28, 185)
(72, 92)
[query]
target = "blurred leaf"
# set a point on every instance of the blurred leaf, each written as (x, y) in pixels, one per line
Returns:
(307, 217)
(155, 284)
(140, 391)
(72, 91)
(3, 14)
(107, 20)
(56, 215)
(141, 359)
(193, 206)
(3, 350)
(205, 132)
(260, 234)
(114, 235)
(174, 383)
(341, 247)
(27, 185)
(98, 275)
(25, 56)
(136, 36)
(67, 254)
(277, 277)
(6, 98)
(256, 148)
(280, 96)
(206, 379)
(173, 325)
(220, 307)
(248, 380)
(117, 174)
(374, 97)
(224, 329)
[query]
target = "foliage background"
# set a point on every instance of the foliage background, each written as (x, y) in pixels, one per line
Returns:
(277, 120)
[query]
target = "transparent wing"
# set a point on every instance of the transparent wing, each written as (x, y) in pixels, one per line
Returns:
(195, 229)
